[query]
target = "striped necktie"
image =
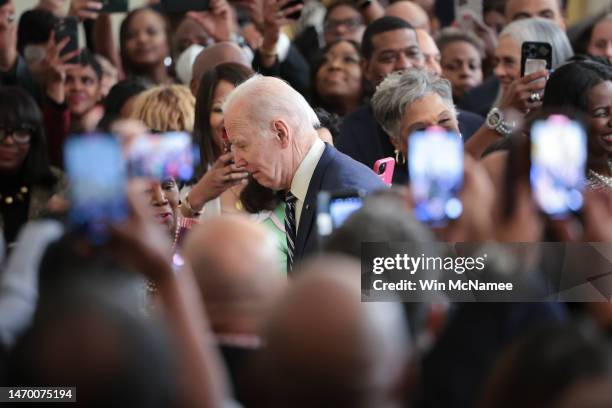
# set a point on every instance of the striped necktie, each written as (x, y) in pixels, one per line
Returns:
(290, 200)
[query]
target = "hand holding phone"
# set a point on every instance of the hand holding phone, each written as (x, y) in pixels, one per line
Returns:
(335, 207)
(183, 6)
(535, 56)
(68, 27)
(435, 166)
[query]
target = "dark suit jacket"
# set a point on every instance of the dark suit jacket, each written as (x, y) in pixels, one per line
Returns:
(335, 171)
(480, 100)
(363, 139)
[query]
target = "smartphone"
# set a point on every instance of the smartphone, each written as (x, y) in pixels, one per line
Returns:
(98, 178)
(535, 56)
(385, 169)
(183, 6)
(435, 166)
(466, 12)
(296, 14)
(114, 6)
(558, 165)
(68, 27)
(335, 207)
(162, 156)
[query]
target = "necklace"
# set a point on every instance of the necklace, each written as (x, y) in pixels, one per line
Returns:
(19, 196)
(603, 179)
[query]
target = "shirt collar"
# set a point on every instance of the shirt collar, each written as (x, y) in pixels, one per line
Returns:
(304, 172)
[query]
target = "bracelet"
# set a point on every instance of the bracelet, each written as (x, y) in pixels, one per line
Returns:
(191, 213)
(269, 54)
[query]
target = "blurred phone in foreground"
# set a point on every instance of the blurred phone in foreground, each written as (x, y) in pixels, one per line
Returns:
(162, 156)
(385, 168)
(435, 166)
(97, 172)
(334, 207)
(558, 165)
(535, 56)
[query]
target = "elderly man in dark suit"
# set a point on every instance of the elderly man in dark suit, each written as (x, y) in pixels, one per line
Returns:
(272, 131)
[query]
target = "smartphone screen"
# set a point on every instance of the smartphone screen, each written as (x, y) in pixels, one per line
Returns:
(98, 178)
(183, 6)
(435, 165)
(535, 56)
(466, 12)
(558, 160)
(68, 27)
(334, 208)
(114, 6)
(162, 156)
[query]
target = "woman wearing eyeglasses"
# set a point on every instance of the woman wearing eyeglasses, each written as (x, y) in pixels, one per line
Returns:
(27, 180)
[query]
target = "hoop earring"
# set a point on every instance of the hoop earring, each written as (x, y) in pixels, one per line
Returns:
(399, 157)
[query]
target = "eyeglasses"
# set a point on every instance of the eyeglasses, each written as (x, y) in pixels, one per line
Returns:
(350, 23)
(21, 136)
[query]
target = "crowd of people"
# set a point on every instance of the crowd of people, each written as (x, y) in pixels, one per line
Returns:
(220, 289)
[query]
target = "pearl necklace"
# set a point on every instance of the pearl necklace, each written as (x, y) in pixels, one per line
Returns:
(604, 179)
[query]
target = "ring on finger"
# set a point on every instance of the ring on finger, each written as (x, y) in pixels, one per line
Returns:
(534, 97)
(280, 14)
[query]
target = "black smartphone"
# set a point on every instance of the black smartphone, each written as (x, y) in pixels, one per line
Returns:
(68, 27)
(535, 56)
(335, 207)
(296, 14)
(114, 6)
(183, 6)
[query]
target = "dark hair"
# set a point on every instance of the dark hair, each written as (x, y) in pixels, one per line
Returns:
(88, 59)
(540, 368)
(231, 72)
(569, 84)
(129, 68)
(379, 26)
(18, 109)
(35, 27)
(338, 3)
(118, 96)
(316, 99)
(494, 5)
(329, 121)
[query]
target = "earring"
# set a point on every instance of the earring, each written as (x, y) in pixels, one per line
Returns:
(399, 157)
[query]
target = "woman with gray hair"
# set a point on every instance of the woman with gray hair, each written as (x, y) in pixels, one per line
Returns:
(526, 94)
(409, 101)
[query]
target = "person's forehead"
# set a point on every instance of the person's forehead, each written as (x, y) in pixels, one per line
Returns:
(506, 45)
(603, 29)
(82, 71)
(532, 7)
(341, 48)
(400, 38)
(460, 48)
(601, 92)
(342, 12)
(426, 43)
(429, 106)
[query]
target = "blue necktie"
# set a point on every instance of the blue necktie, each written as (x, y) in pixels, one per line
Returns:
(290, 200)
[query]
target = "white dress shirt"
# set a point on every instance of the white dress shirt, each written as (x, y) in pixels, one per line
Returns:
(302, 176)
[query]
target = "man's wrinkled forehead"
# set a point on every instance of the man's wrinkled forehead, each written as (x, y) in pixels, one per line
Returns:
(517, 9)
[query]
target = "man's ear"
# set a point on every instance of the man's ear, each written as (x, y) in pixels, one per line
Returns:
(281, 132)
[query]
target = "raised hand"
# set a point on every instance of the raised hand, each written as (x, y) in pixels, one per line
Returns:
(521, 94)
(217, 22)
(85, 9)
(55, 67)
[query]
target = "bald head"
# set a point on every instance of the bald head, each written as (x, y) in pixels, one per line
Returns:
(410, 12)
(324, 344)
(237, 268)
(430, 51)
(214, 55)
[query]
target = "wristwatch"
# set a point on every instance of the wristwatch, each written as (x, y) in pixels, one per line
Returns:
(495, 121)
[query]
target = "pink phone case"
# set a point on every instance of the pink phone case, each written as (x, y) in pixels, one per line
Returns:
(387, 172)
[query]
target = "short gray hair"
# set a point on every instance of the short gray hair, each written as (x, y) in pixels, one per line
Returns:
(270, 98)
(541, 30)
(401, 89)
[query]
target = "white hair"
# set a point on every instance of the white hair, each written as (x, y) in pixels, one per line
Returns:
(269, 99)
(401, 89)
(541, 30)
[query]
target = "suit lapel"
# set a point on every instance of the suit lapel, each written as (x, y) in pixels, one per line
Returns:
(310, 203)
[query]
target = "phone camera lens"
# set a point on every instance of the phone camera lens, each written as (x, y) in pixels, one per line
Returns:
(382, 168)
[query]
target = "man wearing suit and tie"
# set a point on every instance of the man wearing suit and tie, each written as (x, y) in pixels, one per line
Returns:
(272, 131)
